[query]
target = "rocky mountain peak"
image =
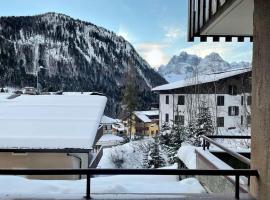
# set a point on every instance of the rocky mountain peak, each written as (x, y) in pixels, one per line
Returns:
(185, 64)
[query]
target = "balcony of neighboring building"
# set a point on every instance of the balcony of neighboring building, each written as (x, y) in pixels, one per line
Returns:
(220, 18)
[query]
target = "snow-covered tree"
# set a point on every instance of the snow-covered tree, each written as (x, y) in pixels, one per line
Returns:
(203, 124)
(155, 159)
(171, 139)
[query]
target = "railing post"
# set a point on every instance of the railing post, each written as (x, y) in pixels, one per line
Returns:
(237, 186)
(88, 181)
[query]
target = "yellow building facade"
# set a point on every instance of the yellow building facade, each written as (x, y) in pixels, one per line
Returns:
(145, 123)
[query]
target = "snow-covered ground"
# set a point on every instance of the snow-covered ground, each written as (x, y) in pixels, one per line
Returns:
(129, 155)
(4, 96)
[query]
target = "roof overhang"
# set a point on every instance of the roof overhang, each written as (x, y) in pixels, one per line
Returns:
(231, 18)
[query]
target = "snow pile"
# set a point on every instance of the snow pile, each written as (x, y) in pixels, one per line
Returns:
(127, 156)
(19, 187)
(4, 96)
(106, 161)
(187, 155)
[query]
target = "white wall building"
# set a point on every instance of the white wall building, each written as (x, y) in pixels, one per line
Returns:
(227, 94)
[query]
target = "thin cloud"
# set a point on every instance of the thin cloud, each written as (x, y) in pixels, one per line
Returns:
(125, 34)
(173, 33)
(153, 53)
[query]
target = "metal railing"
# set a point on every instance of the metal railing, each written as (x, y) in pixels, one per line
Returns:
(207, 141)
(94, 163)
(92, 172)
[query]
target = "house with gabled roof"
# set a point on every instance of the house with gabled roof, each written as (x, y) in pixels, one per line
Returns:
(50, 131)
(145, 123)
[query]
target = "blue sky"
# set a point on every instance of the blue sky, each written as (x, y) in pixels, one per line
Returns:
(156, 28)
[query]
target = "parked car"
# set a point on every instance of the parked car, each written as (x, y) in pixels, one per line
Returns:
(30, 91)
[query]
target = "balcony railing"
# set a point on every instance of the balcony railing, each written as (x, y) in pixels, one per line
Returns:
(207, 140)
(165, 172)
(201, 12)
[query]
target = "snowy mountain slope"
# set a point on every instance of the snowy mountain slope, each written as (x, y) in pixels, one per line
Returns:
(185, 65)
(77, 55)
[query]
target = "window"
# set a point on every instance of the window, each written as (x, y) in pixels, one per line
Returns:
(248, 120)
(232, 90)
(220, 100)
(167, 118)
(180, 119)
(242, 100)
(242, 119)
(181, 100)
(220, 122)
(249, 100)
(167, 99)
(233, 111)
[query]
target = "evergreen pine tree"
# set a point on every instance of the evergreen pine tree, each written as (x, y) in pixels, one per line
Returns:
(204, 124)
(154, 158)
(145, 163)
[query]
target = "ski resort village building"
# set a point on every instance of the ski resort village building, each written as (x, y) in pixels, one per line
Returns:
(50, 131)
(145, 123)
(226, 94)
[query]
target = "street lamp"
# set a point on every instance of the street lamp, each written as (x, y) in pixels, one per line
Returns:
(37, 70)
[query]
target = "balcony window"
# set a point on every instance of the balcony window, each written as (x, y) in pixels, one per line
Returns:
(220, 122)
(167, 99)
(248, 120)
(166, 118)
(181, 100)
(233, 111)
(220, 100)
(249, 100)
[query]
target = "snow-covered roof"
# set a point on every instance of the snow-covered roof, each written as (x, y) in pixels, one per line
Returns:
(108, 120)
(110, 137)
(144, 115)
(50, 121)
(207, 78)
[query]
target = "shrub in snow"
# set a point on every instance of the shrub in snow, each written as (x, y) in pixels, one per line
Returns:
(117, 158)
(130, 155)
